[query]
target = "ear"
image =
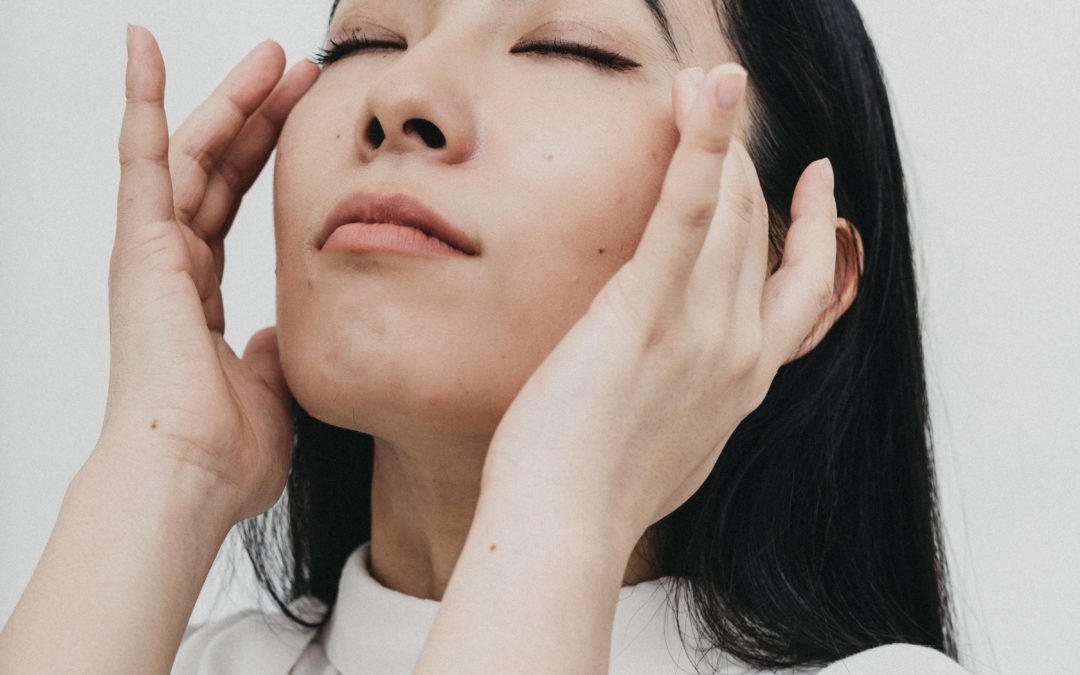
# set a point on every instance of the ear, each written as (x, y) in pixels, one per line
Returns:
(849, 266)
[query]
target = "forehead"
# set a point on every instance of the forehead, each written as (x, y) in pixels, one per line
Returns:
(696, 28)
(690, 29)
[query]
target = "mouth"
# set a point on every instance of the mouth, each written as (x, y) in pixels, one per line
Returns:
(373, 221)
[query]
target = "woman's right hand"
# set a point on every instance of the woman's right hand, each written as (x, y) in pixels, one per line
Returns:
(178, 394)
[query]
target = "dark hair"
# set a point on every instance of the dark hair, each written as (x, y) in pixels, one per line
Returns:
(817, 534)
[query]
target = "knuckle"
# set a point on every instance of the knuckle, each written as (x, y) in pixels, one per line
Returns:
(742, 205)
(696, 210)
(714, 139)
(198, 153)
(126, 152)
(185, 212)
(699, 213)
(132, 156)
(232, 175)
(746, 352)
(154, 96)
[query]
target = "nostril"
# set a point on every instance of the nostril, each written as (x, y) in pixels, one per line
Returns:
(428, 131)
(375, 133)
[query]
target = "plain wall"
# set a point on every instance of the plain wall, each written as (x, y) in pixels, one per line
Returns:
(985, 95)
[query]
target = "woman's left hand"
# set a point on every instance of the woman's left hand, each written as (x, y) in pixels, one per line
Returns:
(626, 417)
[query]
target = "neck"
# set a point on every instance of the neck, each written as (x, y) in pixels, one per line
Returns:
(423, 497)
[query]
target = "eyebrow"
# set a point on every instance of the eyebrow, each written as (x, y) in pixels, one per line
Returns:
(656, 8)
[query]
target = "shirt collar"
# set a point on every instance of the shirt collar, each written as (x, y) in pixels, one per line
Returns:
(377, 630)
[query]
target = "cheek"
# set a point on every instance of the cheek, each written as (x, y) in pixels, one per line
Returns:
(559, 210)
(589, 197)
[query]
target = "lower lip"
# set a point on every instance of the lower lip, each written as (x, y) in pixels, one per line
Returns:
(387, 238)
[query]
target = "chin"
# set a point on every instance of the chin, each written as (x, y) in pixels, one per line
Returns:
(370, 382)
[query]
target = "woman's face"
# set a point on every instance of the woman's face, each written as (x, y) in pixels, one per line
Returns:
(551, 164)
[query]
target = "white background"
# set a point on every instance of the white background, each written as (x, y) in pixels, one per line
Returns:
(986, 96)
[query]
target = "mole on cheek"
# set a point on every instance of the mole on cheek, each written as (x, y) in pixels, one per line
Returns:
(338, 137)
(601, 251)
(549, 157)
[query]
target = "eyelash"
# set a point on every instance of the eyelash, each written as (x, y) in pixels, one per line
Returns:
(600, 58)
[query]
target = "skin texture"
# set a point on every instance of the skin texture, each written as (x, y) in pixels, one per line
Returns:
(550, 164)
(532, 396)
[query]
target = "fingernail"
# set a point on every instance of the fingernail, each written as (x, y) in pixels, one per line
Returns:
(729, 88)
(697, 76)
(127, 39)
(827, 175)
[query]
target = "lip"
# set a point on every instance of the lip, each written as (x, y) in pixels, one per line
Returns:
(396, 208)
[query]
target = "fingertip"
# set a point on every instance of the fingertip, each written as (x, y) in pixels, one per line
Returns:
(305, 70)
(685, 87)
(278, 51)
(266, 60)
(825, 170)
(139, 39)
(814, 192)
(714, 110)
(145, 73)
(729, 84)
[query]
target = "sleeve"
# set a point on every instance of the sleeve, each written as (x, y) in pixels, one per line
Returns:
(244, 642)
(896, 659)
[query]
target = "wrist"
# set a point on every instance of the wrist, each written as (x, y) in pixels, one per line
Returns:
(536, 565)
(578, 522)
(144, 476)
(562, 507)
(124, 565)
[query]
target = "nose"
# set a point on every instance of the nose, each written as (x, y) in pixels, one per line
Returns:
(420, 104)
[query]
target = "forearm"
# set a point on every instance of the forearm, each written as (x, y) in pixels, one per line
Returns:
(121, 572)
(534, 591)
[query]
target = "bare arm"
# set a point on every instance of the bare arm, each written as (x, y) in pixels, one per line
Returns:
(121, 572)
(534, 590)
(195, 438)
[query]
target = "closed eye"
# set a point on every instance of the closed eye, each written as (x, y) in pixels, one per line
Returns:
(354, 42)
(595, 56)
(600, 58)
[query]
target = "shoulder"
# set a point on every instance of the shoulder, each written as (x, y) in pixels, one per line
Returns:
(245, 641)
(896, 659)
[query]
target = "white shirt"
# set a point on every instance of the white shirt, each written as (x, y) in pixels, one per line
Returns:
(375, 630)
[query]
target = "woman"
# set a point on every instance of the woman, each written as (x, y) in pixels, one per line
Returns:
(535, 271)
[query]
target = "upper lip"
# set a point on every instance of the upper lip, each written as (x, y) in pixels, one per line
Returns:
(397, 208)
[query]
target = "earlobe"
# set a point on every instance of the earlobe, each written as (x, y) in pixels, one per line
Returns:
(849, 267)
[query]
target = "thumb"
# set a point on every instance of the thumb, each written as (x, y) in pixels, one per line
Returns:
(261, 355)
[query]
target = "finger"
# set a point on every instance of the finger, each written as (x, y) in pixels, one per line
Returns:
(248, 153)
(719, 266)
(204, 136)
(797, 293)
(202, 264)
(214, 311)
(145, 194)
(261, 355)
(672, 239)
(686, 86)
(755, 263)
(206, 283)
